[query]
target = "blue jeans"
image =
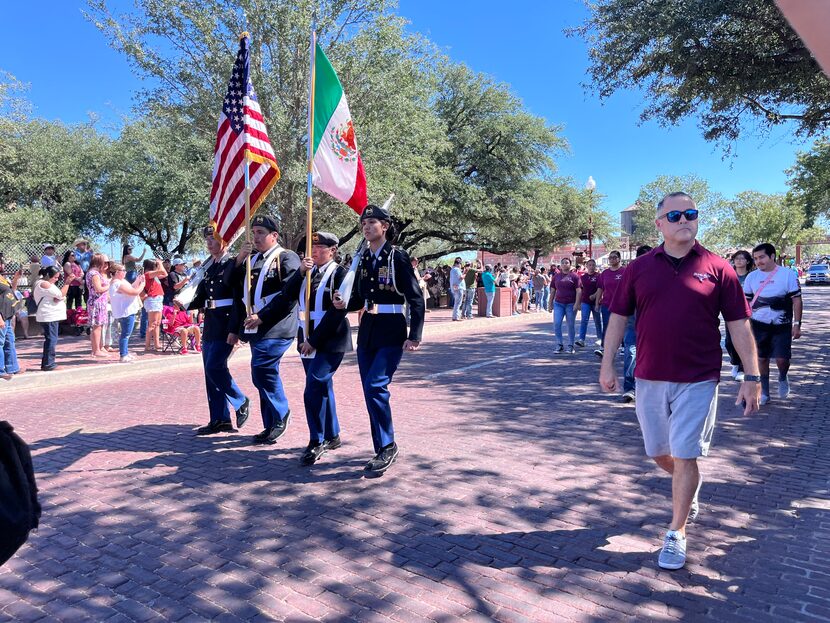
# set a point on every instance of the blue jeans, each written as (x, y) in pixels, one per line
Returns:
(50, 333)
(545, 297)
(540, 298)
(377, 366)
(220, 386)
(142, 328)
(8, 363)
(127, 326)
(629, 355)
(265, 373)
(560, 312)
(586, 311)
(457, 300)
(469, 295)
(320, 406)
(491, 296)
(606, 314)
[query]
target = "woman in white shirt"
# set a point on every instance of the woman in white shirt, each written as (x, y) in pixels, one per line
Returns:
(126, 303)
(51, 310)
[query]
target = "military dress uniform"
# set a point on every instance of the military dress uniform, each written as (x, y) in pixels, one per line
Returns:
(215, 295)
(330, 336)
(269, 273)
(385, 281)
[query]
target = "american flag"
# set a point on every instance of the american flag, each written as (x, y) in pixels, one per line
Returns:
(241, 132)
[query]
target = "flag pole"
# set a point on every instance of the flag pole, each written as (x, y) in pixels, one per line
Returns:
(308, 223)
(248, 230)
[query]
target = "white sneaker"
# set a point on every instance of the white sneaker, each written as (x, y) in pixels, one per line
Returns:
(673, 554)
(739, 377)
(126, 359)
(735, 371)
(694, 511)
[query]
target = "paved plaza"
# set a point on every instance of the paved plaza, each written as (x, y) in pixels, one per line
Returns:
(521, 494)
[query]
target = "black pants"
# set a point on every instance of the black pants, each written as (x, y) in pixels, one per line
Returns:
(734, 358)
(74, 297)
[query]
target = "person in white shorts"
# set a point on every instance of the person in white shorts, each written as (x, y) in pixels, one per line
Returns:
(679, 291)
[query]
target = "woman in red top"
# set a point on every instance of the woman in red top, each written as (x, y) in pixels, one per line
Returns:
(74, 275)
(178, 320)
(153, 301)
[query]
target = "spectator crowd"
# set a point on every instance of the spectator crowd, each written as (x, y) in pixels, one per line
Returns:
(83, 291)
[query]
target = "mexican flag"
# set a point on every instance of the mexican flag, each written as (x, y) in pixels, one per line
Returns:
(337, 168)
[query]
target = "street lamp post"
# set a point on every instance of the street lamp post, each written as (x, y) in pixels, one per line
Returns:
(590, 186)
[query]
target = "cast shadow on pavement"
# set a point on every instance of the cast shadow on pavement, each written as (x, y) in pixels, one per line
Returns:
(210, 528)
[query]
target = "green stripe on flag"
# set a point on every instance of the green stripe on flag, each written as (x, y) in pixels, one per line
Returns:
(327, 95)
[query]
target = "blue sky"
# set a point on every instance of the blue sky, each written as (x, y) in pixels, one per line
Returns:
(72, 73)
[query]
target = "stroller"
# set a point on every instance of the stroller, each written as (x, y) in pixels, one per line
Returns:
(78, 320)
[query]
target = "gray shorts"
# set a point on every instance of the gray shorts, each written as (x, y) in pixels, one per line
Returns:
(677, 419)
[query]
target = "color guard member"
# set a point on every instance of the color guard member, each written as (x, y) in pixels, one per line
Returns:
(214, 294)
(272, 323)
(384, 283)
(322, 347)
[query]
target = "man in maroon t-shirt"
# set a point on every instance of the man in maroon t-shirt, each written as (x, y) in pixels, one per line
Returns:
(609, 280)
(679, 291)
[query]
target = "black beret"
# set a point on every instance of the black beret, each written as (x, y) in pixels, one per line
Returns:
(373, 211)
(263, 220)
(325, 238)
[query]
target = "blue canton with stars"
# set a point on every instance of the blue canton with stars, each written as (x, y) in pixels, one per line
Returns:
(233, 106)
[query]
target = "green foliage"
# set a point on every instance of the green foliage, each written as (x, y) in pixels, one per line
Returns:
(458, 150)
(154, 188)
(645, 231)
(753, 217)
(728, 62)
(48, 172)
(810, 180)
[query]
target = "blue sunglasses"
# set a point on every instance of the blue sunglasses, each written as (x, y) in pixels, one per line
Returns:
(674, 215)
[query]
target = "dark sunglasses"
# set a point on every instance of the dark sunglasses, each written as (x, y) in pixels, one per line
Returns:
(674, 215)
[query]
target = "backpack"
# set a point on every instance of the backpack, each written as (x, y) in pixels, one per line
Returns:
(19, 508)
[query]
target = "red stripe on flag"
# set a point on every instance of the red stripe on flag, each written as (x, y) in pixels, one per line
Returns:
(358, 200)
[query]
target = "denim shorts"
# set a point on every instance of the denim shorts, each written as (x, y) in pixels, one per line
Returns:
(677, 419)
(153, 303)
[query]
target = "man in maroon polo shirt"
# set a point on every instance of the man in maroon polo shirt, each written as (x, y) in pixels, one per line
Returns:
(679, 289)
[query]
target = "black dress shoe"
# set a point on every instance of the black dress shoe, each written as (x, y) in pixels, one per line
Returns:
(312, 453)
(382, 461)
(333, 443)
(277, 430)
(243, 412)
(261, 437)
(216, 427)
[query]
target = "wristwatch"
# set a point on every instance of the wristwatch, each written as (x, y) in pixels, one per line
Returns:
(798, 322)
(752, 377)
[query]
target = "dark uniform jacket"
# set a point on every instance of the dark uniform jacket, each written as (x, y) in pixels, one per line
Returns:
(333, 334)
(279, 319)
(216, 286)
(376, 286)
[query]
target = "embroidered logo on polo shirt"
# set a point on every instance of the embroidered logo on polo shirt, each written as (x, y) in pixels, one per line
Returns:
(702, 276)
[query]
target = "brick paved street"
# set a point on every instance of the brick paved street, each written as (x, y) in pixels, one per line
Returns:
(521, 494)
